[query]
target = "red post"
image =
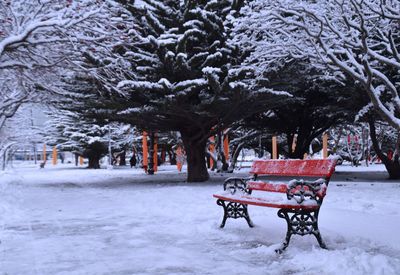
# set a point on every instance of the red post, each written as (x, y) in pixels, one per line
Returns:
(145, 151)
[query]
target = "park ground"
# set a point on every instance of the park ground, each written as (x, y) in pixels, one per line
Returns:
(67, 220)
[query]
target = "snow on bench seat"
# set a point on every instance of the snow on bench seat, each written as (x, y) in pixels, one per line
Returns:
(274, 202)
(279, 187)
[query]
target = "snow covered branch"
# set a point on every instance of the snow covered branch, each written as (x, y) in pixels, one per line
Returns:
(358, 37)
(43, 41)
(38, 33)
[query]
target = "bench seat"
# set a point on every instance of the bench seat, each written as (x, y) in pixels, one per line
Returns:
(281, 203)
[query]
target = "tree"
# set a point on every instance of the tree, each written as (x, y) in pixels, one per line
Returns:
(358, 38)
(186, 76)
(316, 105)
(70, 132)
(361, 39)
(347, 39)
(319, 97)
(40, 38)
(18, 132)
(43, 41)
(392, 163)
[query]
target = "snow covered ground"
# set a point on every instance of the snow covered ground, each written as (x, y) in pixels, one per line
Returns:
(66, 220)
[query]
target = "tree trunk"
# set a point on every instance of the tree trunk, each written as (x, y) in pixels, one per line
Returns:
(122, 158)
(211, 157)
(235, 156)
(223, 167)
(4, 160)
(150, 167)
(163, 154)
(94, 161)
(5, 154)
(337, 141)
(305, 138)
(392, 166)
(196, 159)
(172, 157)
(302, 145)
(35, 153)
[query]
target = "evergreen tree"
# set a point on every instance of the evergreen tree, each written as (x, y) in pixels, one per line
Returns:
(186, 75)
(317, 103)
(69, 132)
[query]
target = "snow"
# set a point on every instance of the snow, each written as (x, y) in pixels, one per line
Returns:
(189, 83)
(266, 198)
(66, 220)
(211, 70)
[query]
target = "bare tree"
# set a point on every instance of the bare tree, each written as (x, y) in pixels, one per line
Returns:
(11, 99)
(360, 38)
(42, 41)
(40, 38)
(19, 132)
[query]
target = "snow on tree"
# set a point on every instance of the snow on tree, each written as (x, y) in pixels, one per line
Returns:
(358, 38)
(361, 39)
(39, 39)
(185, 75)
(11, 98)
(69, 132)
(75, 127)
(316, 105)
(18, 132)
(319, 97)
(241, 138)
(345, 39)
(121, 138)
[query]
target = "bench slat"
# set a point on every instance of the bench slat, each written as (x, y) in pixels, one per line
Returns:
(310, 168)
(267, 186)
(282, 204)
(278, 187)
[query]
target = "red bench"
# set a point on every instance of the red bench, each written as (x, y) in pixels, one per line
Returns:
(300, 206)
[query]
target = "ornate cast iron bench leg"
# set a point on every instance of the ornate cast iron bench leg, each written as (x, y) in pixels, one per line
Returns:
(317, 233)
(234, 210)
(300, 223)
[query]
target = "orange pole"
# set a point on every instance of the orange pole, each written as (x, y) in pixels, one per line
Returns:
(155, 156)
(274, 148)
(54, 155)
(294, 143)
(226, 147)
(145, 151)
(44, 153)
(179, 155)
(212, 149)
(80, 160)
(325, 146)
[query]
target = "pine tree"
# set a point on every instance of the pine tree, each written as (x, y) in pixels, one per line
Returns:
(86, 138)
(317, 103)
(186, 75)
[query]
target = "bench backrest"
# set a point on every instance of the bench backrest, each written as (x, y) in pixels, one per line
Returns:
(305, 168)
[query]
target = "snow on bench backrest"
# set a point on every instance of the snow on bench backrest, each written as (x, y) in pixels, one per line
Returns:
(309, 168)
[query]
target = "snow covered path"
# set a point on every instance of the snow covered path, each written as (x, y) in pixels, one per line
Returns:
(76, 221)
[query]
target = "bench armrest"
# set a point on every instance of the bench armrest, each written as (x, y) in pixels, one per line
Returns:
(234, 185)
(301, 190)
